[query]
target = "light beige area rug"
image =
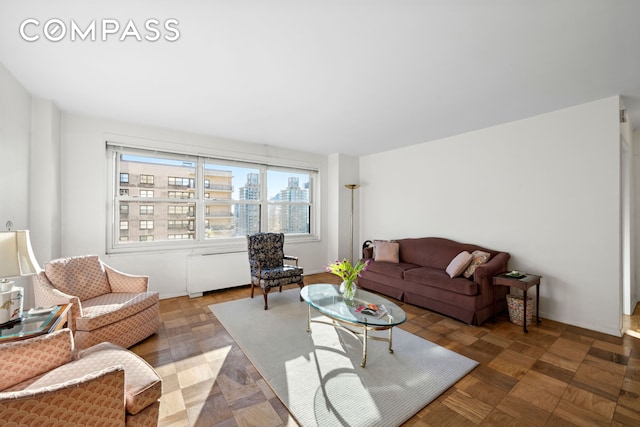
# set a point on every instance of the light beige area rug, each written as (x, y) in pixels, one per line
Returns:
(318, 376)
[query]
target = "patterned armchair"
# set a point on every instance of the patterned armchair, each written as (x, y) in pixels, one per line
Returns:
(45, 383)
(266, 259)
(107, 305)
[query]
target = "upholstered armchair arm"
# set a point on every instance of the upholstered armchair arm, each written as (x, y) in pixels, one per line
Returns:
(46, 295)
(291, 258)
(93, 399)
(123, 282)
(255, 267)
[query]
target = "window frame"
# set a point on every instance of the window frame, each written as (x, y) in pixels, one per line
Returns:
(211, 245)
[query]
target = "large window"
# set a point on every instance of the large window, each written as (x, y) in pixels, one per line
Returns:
(203, 201)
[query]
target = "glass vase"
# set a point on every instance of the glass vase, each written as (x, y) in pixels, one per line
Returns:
(348, 290)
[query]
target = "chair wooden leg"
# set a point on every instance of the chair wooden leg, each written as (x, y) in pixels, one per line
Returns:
(280, 288)
(301, 284)
(252, 288)
(266, 291)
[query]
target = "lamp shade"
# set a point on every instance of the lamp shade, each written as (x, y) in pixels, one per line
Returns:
(16, 255)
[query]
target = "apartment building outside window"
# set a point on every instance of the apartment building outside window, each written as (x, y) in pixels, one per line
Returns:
(202, 201)
(145, 209)
(146, 225)
(146, 179)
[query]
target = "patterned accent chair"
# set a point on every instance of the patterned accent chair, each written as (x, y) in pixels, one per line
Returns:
(44, 382)
(266, 259)
(108, 305)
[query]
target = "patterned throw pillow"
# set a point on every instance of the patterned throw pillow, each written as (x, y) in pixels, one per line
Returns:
(458, 264)
(478, 258)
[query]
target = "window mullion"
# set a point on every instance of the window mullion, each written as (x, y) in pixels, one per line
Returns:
(115, 215)
(264, 197)
(200, 205)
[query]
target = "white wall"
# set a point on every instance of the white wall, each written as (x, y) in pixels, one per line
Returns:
(15, 112)
(635, 289)
(84, 205)
(45, 189)
(627, 214)
(545, 189)
(342, 170)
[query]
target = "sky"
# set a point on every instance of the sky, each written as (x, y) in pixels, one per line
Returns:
(278, 180)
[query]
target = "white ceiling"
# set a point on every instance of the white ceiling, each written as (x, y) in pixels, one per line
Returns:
(329, 76)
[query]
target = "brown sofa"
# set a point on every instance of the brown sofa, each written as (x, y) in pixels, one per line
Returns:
(419, 278)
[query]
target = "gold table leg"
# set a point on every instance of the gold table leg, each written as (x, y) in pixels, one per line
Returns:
(363, 336)
(364, 348)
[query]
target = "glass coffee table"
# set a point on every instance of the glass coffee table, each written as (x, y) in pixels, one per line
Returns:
(345, 314)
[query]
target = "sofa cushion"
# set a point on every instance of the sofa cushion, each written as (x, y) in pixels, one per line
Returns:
(23, 360)
(271, 283)
(280, 272)
(459, 264)
(391, 269)
(478, 258)
(81, 276)
(386, 251)
(142, 384)
(113, 307)
(438, 278)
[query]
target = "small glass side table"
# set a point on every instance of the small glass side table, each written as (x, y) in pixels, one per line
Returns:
(32, 325)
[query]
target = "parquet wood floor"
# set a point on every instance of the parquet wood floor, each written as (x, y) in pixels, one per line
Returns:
(556, 375)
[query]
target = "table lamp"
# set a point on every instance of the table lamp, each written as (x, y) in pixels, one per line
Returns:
(16, 259)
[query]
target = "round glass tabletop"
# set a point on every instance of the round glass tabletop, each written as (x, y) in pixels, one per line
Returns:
(365, 308)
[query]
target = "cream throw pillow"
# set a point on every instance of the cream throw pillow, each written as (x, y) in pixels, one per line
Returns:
(459, 264)
(387, 251)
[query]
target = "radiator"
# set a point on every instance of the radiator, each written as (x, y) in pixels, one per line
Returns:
(208, 272)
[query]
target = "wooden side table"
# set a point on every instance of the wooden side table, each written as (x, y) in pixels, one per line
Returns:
(522, 283)
(35, 324)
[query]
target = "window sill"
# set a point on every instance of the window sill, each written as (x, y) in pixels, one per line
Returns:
(218, 247)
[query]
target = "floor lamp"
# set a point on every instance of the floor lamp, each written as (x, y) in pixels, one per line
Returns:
(351, 187)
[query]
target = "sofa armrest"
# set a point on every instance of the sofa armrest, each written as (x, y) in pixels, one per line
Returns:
(143, 385)
(47, 295)
(93, 399)
(485, 272)
(123, 282)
